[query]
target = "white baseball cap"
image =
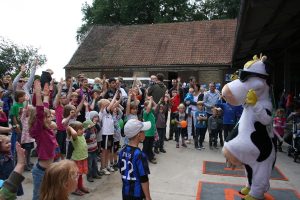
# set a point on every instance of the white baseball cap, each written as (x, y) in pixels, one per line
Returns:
(134, 126)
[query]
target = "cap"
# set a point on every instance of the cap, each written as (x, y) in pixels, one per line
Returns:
(134, 126)
(88, 124)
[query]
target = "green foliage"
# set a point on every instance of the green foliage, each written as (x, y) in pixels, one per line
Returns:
(12, 56)
(220, 9)
(126, 12)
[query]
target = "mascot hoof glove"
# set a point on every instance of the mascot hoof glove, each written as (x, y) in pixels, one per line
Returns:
(245, 190)
(249, 197)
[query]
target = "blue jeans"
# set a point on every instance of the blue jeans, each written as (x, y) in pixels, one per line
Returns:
(37, 174)
(92, 163)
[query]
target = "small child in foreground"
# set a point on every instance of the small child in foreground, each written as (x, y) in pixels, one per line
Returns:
(133, 163)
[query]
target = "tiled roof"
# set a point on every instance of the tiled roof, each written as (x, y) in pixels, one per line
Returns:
(184, 43)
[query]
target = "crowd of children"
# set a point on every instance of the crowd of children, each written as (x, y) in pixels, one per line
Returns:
(82, 122)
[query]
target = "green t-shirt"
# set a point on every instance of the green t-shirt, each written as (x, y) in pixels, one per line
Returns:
(80, 148)
(151, 118)
(15, 109)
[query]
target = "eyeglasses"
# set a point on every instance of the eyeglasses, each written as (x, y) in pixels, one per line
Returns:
(22, 81)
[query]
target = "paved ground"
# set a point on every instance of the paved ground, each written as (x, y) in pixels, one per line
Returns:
(177, 174)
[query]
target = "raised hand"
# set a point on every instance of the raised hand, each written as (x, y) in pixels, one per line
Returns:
(23, 68)
(37, 86)
(36, 61)
(20, 154)
(46, 90)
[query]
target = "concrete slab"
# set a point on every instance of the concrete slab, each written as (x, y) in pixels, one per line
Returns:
(176, 176)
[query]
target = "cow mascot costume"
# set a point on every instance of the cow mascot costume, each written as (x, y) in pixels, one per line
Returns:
(253, 146)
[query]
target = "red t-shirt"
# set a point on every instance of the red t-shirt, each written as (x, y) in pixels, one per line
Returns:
(175, 103)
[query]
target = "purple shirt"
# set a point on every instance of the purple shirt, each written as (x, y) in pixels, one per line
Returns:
(44, 137)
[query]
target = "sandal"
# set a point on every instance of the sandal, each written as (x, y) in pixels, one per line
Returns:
(85, 190)
(78, 192)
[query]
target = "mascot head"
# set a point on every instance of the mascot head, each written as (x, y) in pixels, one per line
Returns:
(254, 80)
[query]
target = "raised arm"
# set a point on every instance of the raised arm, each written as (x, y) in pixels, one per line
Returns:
(149, 106)
(71, 132)
(113, 101)
(58, 95)
(29, 83)
(17, 78)
(128, 102)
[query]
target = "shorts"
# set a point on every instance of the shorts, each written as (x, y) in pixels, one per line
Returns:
(82, 166)
(28, 146)
(107, 142)
(116, 146)
(61, 137)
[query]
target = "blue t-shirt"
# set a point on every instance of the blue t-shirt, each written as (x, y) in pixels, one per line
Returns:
(229, 116)
(202, 123)
(133, 165)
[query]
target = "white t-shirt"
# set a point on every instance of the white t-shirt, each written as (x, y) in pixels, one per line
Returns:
(107, 122)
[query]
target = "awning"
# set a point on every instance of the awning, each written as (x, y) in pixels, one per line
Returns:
(270, 27)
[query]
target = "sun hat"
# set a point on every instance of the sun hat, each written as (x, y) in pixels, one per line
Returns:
(134, 126)
(88, 124)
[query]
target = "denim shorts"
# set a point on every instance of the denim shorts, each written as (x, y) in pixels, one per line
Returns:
(38, 173)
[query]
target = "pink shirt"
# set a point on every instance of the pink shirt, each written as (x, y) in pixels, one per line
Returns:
(279, 124)
(44, 137)
(26, 138)
(59, 117)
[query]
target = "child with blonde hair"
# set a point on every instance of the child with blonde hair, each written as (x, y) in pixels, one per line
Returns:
(105, 115)
(40, 130)
(59, 181)
(27, 142)
(80, 154)
(180, 131)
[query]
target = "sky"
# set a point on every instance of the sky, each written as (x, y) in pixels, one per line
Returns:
(49, 25)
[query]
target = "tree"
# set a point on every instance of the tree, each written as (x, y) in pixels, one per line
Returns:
(12, 56)
(126, 12)
(219, 9)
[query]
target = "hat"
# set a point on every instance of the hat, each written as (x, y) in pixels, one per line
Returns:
(88, 124)
(134, 126)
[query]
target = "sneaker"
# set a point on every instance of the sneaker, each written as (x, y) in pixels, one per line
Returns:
(110, 169)
(97, 177)
(116, 167)
(100, 173)
(184, 145)
(163, 151)
(199, 148)
(202, 147)
(105, 171)
(216, 147)
(156, 151)
(188, 142)
(90, 179)
(177, 145)
(153, 161)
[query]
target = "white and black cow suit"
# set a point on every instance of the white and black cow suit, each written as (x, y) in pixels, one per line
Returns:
(253, 146)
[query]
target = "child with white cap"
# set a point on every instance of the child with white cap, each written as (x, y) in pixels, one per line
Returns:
(133, 163)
